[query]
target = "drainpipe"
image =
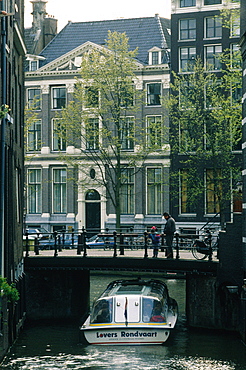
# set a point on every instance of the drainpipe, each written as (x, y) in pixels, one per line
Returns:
(3, 129)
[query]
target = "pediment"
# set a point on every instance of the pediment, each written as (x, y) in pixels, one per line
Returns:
(155, 48)
(71, 61)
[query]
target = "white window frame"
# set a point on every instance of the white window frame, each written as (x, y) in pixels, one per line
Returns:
(63, 208)
(148, 95)
(53, 88)
(157, 192)
(38, 194)
(63, 144)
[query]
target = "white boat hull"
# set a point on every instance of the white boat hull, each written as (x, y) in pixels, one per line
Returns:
(121, 336)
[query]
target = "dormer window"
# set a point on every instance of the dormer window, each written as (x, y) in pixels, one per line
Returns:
(33, 65)
(155, 56)
(33, 61)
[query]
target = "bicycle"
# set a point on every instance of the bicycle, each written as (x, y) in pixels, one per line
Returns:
(202, 249)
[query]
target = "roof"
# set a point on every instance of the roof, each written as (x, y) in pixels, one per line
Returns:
(143, 33)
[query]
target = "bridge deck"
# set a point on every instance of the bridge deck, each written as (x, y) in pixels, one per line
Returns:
(132, 260)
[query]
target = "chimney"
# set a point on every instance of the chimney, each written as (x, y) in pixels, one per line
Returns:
(39, 13)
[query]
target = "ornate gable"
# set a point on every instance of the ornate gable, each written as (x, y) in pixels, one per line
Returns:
(71, 61)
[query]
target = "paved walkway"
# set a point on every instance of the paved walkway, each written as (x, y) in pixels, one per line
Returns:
(184, 254)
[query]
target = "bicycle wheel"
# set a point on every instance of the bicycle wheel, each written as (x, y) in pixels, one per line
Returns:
(195, 251)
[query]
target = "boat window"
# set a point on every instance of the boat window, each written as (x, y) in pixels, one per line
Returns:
(102, 311)
(153, 310)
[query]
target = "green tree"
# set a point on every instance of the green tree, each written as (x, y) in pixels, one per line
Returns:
(205, 115)
(101, 120)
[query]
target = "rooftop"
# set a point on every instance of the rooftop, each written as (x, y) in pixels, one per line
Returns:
(143, 33)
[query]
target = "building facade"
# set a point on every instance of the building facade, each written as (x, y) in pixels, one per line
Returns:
(12, 165)
(198, 31)
(53, 200)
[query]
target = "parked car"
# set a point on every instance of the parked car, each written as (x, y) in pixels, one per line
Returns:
(39, 232)
(100, 242)
(64, 241)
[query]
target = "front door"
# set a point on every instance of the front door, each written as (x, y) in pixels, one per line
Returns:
(93, 218)
(92, 213)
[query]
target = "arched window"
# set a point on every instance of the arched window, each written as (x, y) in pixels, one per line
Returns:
(92, 195)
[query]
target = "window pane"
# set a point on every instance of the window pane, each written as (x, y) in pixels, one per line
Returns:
(34, 191)
(92, 134)
(211, 54)
(187, 59)
(212, 2)
(59, 97)
(34, 137)
(154, 196)
(59, 191)
(213, 190)
(213, 27)
(187, 29)
(127, 133)
(154, 131)
(127, 191)
(154, 94)
(34, 98)
(59, 142)
(184, 3)
(185, 205)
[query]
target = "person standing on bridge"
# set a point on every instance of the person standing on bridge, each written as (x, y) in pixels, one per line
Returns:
(169, 230)
(155, 237)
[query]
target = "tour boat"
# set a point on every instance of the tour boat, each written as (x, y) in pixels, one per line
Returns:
(131, 312)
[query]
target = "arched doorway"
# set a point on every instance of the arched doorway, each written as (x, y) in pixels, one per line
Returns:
(92, 212)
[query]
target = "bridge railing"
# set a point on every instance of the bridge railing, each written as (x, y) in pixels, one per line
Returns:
(117, 242)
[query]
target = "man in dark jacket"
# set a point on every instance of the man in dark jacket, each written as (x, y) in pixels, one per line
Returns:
(169, 231)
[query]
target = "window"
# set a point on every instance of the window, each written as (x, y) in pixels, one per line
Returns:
(212, 2)
(34, 137)
(213, 190)
(92, 133)
(127, 96)
(154, 94)
(155, 57)
(34, 98)
(59, 190)
(235, 27)
(127, 133)
(236, 59)
(58, 97)
(211, 57)
(34, 191)
(154, 131)
(185, 204)
(188, 141)
(154, 194)
(127, 191)
(187, 29)
(185, 3)
(213, 27)
(91, 97)
(187, 59)
(33, 65)
(236, 95)
(59, 142)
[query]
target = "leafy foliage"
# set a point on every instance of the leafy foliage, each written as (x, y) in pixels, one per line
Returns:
(100, 121)
(8, 291)
(206, 129)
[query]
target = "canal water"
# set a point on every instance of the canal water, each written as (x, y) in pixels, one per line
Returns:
(54, 346)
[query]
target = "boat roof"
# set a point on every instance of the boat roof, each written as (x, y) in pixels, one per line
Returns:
(149, 288)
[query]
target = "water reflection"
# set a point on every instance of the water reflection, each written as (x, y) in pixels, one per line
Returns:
(57, 346)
